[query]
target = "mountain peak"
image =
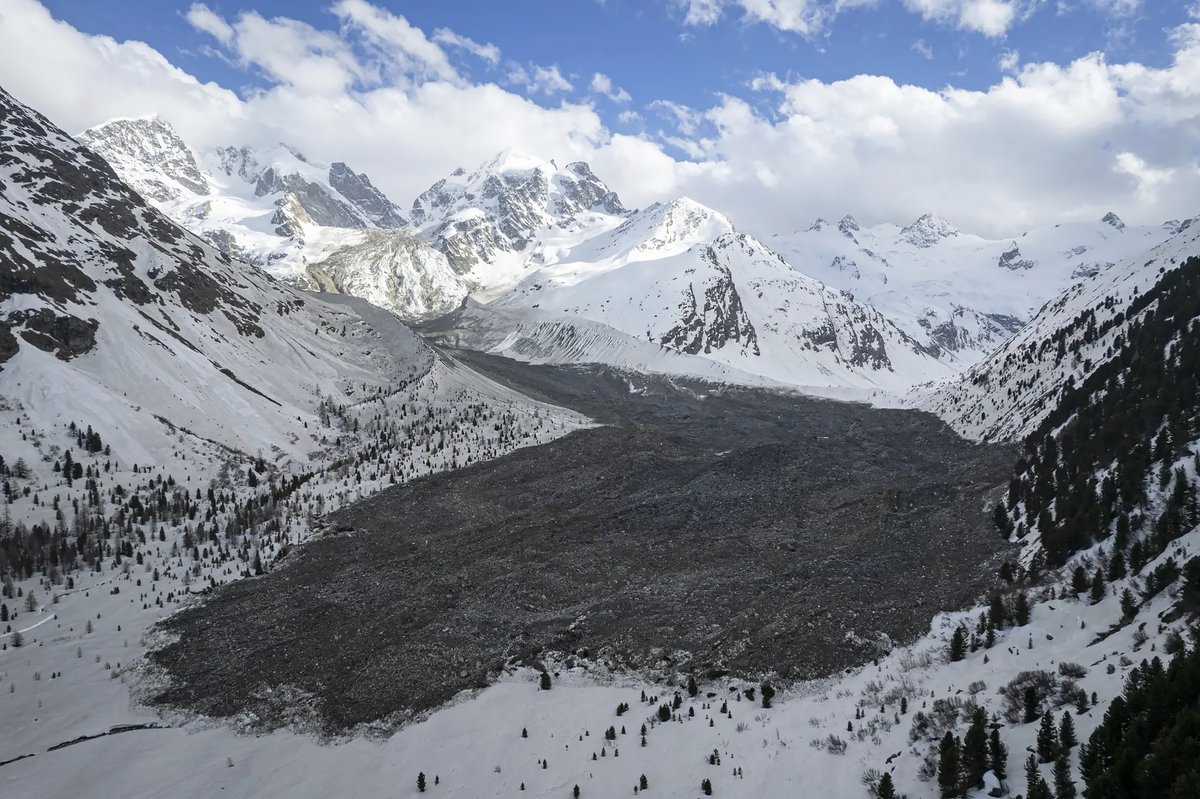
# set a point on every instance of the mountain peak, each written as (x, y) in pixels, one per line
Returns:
(928, 231)
(512, 160)
(1114, 220)
(150, 154)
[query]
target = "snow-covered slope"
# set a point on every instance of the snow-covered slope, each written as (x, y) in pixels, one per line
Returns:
(1007, 394)
(274, 208)
(955, 292)
(678, 276)
(110, 312)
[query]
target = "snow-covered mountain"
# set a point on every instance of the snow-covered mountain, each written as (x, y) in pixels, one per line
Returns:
(1010, 392)
(488, 222)
(110, 312)
(960, 294)
(678, 276)
(275, 208)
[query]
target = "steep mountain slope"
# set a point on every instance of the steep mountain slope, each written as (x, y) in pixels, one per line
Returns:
(679, 277)
(1012, 391)
(487, 222)
(957, 293)
(112, 313)
(274, 208)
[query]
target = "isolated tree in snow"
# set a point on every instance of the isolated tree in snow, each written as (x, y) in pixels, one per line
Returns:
(706, 787)
(421, 782)
(768, 694)
(958, 646)
(885, 789)
(544, 681)
(1129, 604)
(643, 783)
(691, 686)
(575, 792)
(1021, 610)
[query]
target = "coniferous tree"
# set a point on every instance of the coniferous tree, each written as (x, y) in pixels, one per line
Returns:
(958, 646)
(997, 756)
(1066, 733)
(1021, 610)
(544, 681)
(886, 789)
(643, 783)
(948, 766)
(1097, 592)
(421, 782)
(706, 787)
(1064, 786)
(1129, 604)
(975, 749)
(1035, 784)
(1047, 739)
(1079, 581)
(1032, 705)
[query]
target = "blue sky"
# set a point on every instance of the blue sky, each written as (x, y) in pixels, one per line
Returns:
(647, 47)
(997, 114)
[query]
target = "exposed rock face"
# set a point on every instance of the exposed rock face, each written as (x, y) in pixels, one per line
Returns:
(1011, 259)
(149, 152)
(501, 206)
(718, 321)
(1114, 220)
(928, 231)
(370, 201)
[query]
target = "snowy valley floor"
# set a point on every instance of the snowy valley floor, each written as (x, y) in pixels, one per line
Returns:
(83, 652)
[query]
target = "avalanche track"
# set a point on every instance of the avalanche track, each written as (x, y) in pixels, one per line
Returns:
(698, 529)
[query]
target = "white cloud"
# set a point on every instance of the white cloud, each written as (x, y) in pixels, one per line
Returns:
(546, 80)
(203, 18)
(1117, 8)
(809, 18)
(989, 17)
(1046, 143)
(923, 49)
(488, 52)
(602, 84)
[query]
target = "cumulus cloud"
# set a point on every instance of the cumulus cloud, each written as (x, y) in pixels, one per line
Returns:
(602, 84)
(203, 18)
(1045, 143)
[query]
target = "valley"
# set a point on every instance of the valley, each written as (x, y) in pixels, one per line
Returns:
(697, 529)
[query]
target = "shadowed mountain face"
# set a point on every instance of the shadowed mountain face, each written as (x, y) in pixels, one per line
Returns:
(696, 529)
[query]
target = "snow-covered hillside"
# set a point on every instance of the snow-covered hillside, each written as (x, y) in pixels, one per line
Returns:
(957, 293)
(678, 276)
(1008, 393)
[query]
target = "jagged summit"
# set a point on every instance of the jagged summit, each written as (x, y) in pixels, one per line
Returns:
(1114, 220)
(154, 158)
(927, 231)
(499, 208)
